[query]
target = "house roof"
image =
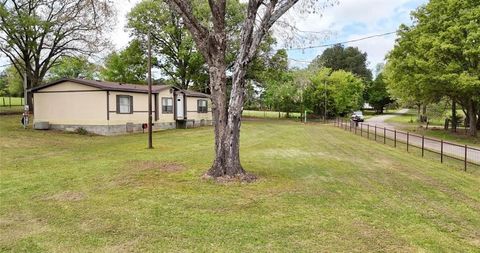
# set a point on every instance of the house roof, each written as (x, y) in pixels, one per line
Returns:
(104, 85)
(190, 93)
(116, 86)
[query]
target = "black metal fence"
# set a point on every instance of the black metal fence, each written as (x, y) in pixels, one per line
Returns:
(442, 150)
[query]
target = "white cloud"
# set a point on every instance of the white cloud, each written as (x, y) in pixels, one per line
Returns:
(119, 36)
(353, 19)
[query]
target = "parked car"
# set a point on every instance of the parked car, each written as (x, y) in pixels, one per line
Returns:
(357, 116)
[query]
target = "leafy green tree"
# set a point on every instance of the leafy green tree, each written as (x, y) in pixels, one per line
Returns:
(342, 90)
(3, 84)
(13, 82)
(377, 94)
(176, 53)
(172, 45)
(280, 90)
(127, 66)
(439, 55)
(338, 57)
(407, 74)
(347, 91)
(35, 34)
(72, 67)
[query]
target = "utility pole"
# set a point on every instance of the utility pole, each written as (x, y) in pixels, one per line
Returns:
(150, 145)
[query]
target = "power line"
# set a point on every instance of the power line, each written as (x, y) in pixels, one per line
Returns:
(343, 42)
(6, 65)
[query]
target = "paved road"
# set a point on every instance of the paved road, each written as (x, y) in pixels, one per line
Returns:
(449, 148)
(380, 119)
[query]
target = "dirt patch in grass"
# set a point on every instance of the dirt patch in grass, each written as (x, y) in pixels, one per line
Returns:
(127, 246)
(67, 196)
(139, 166)
(18, 226)
(245, 178)
(136, 172)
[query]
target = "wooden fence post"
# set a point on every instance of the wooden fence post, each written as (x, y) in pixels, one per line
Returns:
(384, 135)
(395, 138)
(375, 132)
(466, 152)
(408, 137)
(361, 129)
(441, 151)
(368, 131)
(423, 145)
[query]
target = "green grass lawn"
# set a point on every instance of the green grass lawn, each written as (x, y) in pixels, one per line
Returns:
(408, 122)
(13, 101)
(319, 189)
(13, 109)
(269, 114)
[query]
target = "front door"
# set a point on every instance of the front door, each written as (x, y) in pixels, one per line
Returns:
(180, 110)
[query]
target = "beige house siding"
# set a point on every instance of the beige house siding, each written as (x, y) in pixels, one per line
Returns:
(140, 108)
(69, 105)
(58, 105)
(192, 110)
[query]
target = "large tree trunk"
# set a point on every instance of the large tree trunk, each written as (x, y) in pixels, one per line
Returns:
(419, 115)
(227, 124)
(472, 115)
(454, 116)
(424, 114)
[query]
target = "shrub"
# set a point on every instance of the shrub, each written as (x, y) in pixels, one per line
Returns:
(81, 131)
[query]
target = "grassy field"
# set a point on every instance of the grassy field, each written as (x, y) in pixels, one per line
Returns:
(14, 109)
(319, 189)
(408, 122)
(269, 114)
(13, 101)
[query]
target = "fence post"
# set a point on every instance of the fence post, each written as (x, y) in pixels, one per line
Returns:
(361, 129)
(423, 145)
(395, 138)
(408, 137)
(441, 151)
(368, 131)
(466, 151)
(375, 132)
(384, 135)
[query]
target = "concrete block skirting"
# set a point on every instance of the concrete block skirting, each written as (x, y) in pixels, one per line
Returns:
(113, 129)
(129, 127)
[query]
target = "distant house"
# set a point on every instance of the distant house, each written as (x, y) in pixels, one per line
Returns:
(110, 108)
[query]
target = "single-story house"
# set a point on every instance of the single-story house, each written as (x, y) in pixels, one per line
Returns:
(110, 108)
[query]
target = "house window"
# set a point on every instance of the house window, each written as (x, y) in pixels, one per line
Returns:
(124, 104)
(202, 106)
(167, 105)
